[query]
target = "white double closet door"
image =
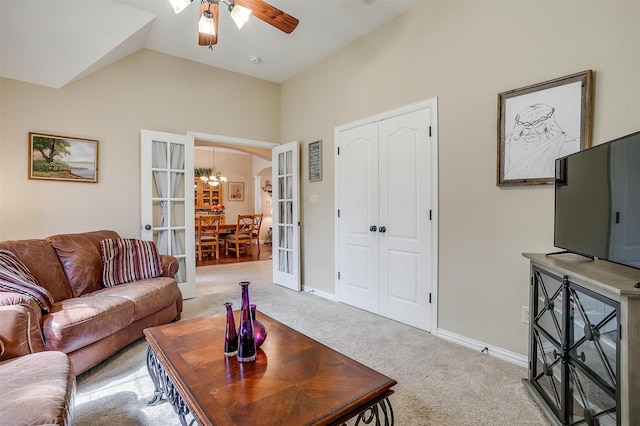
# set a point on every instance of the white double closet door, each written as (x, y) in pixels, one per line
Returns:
(385, 228)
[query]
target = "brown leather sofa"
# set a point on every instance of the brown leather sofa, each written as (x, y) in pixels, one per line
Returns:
(89, 322)
(37, 388)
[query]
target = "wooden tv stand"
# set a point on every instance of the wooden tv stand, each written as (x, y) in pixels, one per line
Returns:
(584, 340)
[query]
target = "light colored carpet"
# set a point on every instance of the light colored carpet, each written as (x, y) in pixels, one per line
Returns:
(439, 382)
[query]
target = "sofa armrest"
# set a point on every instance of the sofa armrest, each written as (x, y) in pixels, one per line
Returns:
(17, 331)
(169, 265)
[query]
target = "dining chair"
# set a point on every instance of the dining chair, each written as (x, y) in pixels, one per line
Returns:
(208, 235)
(255, 232)
(242, 237)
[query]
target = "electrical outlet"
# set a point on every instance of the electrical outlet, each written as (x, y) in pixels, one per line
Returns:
(525, 314)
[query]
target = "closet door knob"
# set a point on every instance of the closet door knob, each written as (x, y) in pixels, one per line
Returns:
(382, 229)
(373, 228)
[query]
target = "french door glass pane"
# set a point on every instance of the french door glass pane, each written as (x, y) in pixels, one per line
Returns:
(177, 213)
(289, 164)
(177, 185)
(177, 156)
(160, 214)
(159, 153)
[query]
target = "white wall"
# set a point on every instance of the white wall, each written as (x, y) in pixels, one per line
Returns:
(465, 53)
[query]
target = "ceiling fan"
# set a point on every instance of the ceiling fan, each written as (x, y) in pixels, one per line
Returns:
(240, 11)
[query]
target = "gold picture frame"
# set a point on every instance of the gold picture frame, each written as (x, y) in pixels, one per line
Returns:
(236, 191)
(64, 158)
(538, 124)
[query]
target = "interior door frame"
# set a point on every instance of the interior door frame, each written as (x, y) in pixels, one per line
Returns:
(432, 104)
(232, 141)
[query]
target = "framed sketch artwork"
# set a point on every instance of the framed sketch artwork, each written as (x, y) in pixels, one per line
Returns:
(64, 158)
(539, 123)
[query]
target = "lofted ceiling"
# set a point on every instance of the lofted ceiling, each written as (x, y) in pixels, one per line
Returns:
(55, 42)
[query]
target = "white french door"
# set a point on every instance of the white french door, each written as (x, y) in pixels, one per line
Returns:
(405, 257)
(167, 205)
(357, 169)
(386, 228)
(286, 215)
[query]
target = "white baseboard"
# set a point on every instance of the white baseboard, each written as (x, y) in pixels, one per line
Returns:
(503, 354)
(320, 293)
(500, 353)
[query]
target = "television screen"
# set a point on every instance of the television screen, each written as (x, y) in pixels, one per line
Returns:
(597, 201)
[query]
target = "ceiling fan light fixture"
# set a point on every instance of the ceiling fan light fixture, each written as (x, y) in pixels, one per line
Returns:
(239, 14)
(180, 5)
(206, 25)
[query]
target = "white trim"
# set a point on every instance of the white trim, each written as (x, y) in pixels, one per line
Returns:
(320, 293)
(500, 353)
(231, 140)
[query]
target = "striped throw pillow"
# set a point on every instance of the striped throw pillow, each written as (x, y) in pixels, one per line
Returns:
(16, 277)
(126, 259)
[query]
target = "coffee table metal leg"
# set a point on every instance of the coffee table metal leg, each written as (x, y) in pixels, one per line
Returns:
(381, 413)
(155, 371)
(164, 386)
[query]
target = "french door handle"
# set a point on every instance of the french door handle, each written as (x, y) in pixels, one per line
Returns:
(147, 227)
(373, 228)
(382, 229)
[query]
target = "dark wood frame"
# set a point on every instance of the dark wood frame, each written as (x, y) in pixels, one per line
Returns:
(54, 173)
(586, 107)
(315, 161)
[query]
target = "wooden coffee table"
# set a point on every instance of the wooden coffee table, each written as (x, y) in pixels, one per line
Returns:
(294, 380)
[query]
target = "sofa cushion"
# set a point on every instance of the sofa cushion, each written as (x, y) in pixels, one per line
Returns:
(80, 321)
(80, 258)
(125, 260)
(42, 260)
(37, 389)
(15, 277)
(148, 296)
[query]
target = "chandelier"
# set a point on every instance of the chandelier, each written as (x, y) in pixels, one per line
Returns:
(211, 176)
(214, 177)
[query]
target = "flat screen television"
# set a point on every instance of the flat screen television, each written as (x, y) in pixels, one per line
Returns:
(597, 201)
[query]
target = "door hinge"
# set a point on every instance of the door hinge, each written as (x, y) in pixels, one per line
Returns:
(338, 275)
(429, 131)
(430, 214)
(338, 212)
(338, 150)
(429, 297)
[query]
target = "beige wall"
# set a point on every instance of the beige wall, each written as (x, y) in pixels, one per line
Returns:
(145, 90)
(465, 53)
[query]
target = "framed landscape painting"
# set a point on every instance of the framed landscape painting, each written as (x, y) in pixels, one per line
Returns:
(53, 157)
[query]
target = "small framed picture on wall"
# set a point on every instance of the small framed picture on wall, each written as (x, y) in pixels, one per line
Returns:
(315, 161)
(236, 191)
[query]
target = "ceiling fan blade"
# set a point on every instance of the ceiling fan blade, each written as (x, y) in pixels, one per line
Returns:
(206, 39)
(270, 14)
